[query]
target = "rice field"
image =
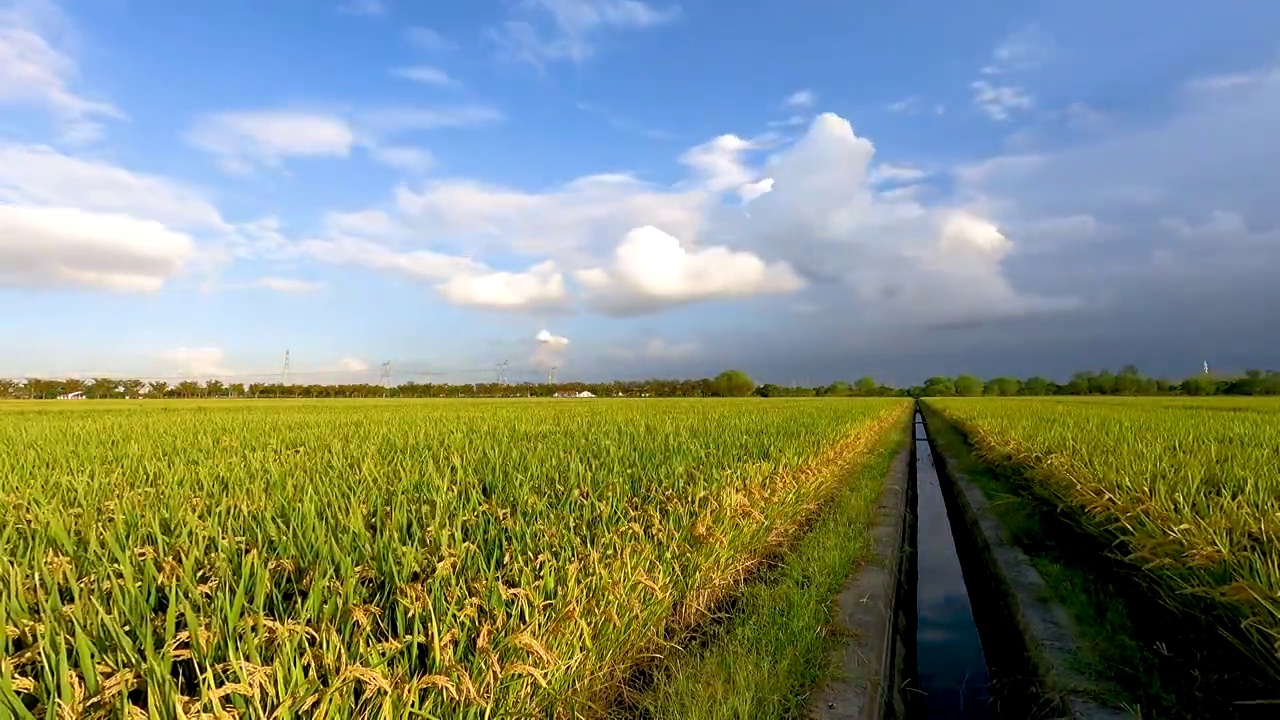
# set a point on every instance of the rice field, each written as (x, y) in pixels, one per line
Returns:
(432, 559)
(1188, 489)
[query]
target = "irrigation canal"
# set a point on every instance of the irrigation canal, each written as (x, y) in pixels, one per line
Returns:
(951, 677)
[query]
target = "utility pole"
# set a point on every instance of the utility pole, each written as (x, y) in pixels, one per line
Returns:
(385, 379)
(284, 373)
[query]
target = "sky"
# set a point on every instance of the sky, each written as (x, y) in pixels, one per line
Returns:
(807, 191)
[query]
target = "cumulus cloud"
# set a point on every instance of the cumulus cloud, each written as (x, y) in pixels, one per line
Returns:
(34, 72)
(574, 221)
(651, 269)
(550, 349)
(540, 286)
(65, 246)
(196, 363)
(39, 175)
(719, 162)
(76, 222)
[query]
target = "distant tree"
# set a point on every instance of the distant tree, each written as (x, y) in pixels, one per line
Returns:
(1002, 386)
(730, 383)
(1079, 384)
(969, 386)
(1104, 383)
(1036, 385)
(866, 385)
(938, 386)
(839, 388)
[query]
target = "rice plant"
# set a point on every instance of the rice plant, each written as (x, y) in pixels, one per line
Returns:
(1188, 489)
(386, 558)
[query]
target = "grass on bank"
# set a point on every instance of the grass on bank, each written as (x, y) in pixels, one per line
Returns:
(1138, 660)
(764, 660)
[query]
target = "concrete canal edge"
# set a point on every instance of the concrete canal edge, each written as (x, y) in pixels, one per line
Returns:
(1048, 634)
(869, 670)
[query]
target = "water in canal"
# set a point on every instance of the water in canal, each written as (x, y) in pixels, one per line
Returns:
(952, 678)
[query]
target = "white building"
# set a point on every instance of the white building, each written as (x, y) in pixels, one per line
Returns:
(77, 395)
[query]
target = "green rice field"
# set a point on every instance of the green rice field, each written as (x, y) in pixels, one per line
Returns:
(401, 558)
(1188, 490)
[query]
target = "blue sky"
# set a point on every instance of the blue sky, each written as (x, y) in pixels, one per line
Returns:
(806, 190)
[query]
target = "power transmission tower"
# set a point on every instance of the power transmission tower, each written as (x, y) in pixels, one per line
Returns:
(385, 379)
(284, 372)
(551, 375)
(502, 372)
(1206, 367)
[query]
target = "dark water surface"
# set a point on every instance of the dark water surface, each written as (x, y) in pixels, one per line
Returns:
(953, 681)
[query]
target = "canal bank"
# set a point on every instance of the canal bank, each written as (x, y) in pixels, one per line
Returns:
(951, 620)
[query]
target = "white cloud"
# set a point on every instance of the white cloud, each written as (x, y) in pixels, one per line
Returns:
(550, 349)
(196, 363)
(540, 286)
(792, 121)
(34, 72)
(651, 270)
(419, 264)
(428, 39)
(424, 74)
(37, 175)
(999, 101)
(404, 119)
(575, 27)
(800, 99)
(244, 138)
(751, 191)
(905, 105)
(573, 221)
(719, 162)
(1023, 50)
(403, 157)
(353, 364)
(42, 246)
(900, 261)
(544, 337)
(288, 285)
(370, 8)
(890, 173)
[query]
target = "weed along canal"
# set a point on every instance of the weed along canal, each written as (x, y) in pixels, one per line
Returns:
(951, 679)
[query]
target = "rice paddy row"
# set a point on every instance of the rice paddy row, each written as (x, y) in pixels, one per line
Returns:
(1188, 490)
(403, 558)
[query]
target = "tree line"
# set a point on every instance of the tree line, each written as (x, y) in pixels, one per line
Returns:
(731, 383)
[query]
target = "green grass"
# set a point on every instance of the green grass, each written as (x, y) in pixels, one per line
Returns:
(386, 558)
(1187, 491)
(775, 648)
(1123, 671)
